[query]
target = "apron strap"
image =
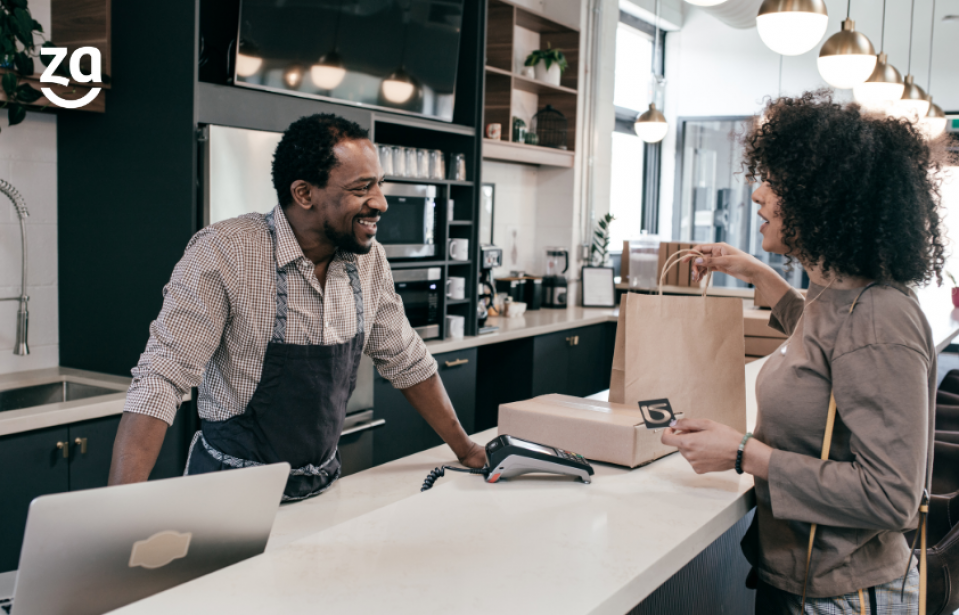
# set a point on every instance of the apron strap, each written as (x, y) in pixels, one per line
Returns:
(282, 293)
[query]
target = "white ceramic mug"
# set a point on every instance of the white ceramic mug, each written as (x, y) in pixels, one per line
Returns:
(459, 249)
(456, 288)
(455, 326)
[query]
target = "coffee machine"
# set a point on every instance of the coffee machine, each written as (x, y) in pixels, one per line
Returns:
(554, 282)
(491, 257)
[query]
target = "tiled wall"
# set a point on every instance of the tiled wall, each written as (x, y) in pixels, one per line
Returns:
(28, 160)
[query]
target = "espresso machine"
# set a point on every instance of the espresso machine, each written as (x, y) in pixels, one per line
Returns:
(490, 258)
(554, 282)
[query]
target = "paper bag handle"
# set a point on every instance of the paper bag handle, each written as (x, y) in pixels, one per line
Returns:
(674, 260)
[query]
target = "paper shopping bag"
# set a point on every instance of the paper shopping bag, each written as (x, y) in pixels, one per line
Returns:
(687, 349)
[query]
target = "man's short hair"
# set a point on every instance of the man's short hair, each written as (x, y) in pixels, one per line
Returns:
(306, 151)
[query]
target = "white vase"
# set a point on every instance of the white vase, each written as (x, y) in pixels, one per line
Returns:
(551, 76)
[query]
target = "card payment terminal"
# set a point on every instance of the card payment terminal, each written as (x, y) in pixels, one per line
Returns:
(509, 456)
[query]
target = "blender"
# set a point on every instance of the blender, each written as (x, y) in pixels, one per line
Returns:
(554, 282)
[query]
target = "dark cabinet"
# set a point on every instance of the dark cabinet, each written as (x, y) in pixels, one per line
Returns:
(66, 458)
(574, 362)
(32, 465)
(405, 431)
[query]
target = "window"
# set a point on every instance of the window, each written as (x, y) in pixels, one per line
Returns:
(634, 179)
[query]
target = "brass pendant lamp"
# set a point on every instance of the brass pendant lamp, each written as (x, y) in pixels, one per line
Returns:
(792, 27)
(651, 126)
(847, 58)
(884, 86)
(329, 71)
(913, 103)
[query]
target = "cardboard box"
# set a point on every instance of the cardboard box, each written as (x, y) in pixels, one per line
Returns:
(672, 278)
(756, 324)
(663, 255)
(597, 430)
(762, 346)
(685, 273)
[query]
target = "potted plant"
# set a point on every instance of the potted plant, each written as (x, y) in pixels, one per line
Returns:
(955, 290)
(599, 252)
(549, 63)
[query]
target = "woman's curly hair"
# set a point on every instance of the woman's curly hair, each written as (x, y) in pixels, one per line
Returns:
(859, 192)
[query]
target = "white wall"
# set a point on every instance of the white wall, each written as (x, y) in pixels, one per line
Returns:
(28, 160)
(715, 70)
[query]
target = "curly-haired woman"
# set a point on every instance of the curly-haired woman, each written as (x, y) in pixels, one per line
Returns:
(853, 198)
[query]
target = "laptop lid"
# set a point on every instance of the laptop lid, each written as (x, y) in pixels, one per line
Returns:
(88, 552)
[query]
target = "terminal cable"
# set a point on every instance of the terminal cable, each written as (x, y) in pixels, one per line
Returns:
(441, 471)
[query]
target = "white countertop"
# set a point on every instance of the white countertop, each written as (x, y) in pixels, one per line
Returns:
(535, 322)
(375, 544)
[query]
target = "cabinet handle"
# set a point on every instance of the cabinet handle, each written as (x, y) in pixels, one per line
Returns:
(457, 362)
(573, 340)
(82, 443)
(65, 447)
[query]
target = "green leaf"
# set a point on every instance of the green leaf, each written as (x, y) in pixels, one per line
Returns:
(9, 82)
(23, 19)
(27, 94)
(37, 26)
(19, 3)
(24, 64)
(16, 114)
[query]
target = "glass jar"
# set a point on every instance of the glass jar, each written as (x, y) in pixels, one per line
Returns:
(644, 262)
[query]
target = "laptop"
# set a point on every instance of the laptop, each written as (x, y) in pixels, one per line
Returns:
(89, 552)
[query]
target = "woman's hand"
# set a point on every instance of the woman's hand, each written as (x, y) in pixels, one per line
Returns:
(724, 258)
(709, 446)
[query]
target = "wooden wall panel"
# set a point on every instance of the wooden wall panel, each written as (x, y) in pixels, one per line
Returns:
(499, 35)
(82, 23)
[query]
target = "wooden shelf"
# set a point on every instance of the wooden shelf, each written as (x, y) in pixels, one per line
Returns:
(72, 91)
(527, 154)
(537, 22)
(533, 86)
(422, 122)
(424, 180)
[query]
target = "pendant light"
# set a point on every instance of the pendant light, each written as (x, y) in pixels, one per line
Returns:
(913, 103)
(651, 126)
(293, 76)
(847, 58)
(399, 86)
(884, 86)
(329, 71)
(248, 60)
(933, 123)
(792, 27)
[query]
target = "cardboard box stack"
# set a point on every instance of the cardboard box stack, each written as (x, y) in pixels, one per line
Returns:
(761, 339)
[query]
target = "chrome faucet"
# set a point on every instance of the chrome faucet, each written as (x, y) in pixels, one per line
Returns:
(23, 315)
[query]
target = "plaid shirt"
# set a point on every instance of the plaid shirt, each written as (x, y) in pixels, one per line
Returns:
(218, 312)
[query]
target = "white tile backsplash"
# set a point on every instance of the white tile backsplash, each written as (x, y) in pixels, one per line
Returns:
(28, 160)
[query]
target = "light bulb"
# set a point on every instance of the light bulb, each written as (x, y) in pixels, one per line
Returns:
(792, 28)
(247, 66)
(328, 72)
(847, 58)
(882, 88)
(398, 87)
(651, 126)
(293, 76)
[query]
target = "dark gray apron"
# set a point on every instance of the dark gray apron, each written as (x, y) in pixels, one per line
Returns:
(297, 411)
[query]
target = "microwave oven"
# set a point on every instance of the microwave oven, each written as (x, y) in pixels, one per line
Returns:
(406, 228)
(420, 291)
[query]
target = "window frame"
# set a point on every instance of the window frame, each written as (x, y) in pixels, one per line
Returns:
(625, 118)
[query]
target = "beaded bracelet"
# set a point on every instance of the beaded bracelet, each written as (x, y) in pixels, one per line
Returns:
(739, 453)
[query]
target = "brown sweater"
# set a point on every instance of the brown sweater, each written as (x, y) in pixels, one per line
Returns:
(880, 361)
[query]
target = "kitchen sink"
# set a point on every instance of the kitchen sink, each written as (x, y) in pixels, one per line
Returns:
(50, 393)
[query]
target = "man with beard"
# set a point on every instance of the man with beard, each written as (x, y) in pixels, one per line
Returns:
(269, 315)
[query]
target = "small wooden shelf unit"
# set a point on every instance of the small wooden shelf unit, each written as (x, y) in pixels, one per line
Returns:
(503, 84)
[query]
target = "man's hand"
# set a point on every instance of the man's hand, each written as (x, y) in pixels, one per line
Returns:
(475, 457)
(709, 446)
